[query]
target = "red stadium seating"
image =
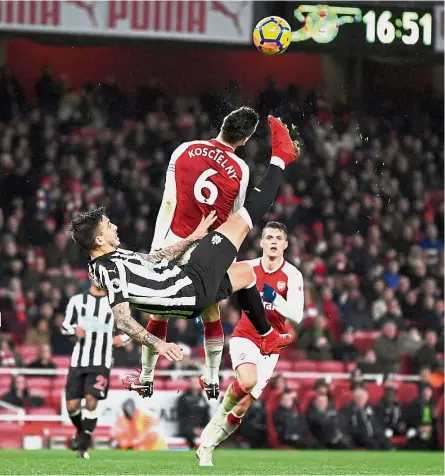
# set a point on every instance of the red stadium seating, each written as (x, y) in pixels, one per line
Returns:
(305, 366)
(284, 366)
(62, 361)
(10, 435)
(28, 352)
(42, 411)
(350, 366)
(306, 399)
(407, 365)
(375, 393)
(293, 385)
(331, 367)
(406, 392)
(343, 399)
(364, 340)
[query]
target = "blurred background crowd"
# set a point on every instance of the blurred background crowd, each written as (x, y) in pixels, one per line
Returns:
(364, 206)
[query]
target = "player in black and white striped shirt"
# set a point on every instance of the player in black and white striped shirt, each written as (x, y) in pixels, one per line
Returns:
(88, 317)
(154, 283)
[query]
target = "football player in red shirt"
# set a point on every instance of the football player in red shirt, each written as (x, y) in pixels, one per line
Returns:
(202, 176)
(283, 298)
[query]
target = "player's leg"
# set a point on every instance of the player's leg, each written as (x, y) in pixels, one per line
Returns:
(213, 347)
(157, 325)
(73, 394)
(96, 388)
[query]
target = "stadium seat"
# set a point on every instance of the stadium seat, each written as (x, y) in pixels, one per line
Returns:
(306, 399)
(42, 411)
(375, 393)
(331, 367)
(28, 352)
(10, 435)
(292, 354)
(62, 361)
(293, 385)
(224, 384)
(407, 365)
(350, 366)
(305, 366)
(399, 441)
(36, 383)
(406, 392)
(284, 366)
(364, 340)
(343, 399)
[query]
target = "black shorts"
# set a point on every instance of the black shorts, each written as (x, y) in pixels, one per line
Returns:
(207, 268)
(87, 380)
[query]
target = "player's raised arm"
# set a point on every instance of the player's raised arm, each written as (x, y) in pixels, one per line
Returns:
(174, 252)
(293, 307)
(133, 329)
(168, 206)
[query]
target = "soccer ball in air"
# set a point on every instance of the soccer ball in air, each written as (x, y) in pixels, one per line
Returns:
(272, 35)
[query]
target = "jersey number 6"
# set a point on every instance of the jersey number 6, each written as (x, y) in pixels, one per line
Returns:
(201, 184)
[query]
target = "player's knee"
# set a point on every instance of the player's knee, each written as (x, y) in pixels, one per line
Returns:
(90, 402)
(247, 382)
(72, 406)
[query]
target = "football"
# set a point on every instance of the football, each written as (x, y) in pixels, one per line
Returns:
(272, 35)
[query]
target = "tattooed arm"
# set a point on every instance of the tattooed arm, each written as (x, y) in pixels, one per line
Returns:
(174, 252)
(171, 253)
(133, 329)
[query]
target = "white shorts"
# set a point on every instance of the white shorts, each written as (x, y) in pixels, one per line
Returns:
(172, 239)
(244, 351)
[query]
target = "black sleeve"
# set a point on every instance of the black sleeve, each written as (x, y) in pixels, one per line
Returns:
(114, 280)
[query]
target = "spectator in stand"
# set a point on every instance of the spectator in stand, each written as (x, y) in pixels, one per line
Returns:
(362, 424)
(389, 412)
(368, 364)
(321, 387)
(291, 426)
(432, 244)
(9, 357)
(128, 355)
(316, 340)
(254, 425)
(44, 361)
(345, 350)
(38, 335)
(356, 379)
(60, 344)
(427, 355)
(324, 424)
(181, 330)
(387, 348)
(393, 314)
(421, 420)
(411, 341)
(192, 409)
(392, 275)
(19, 394)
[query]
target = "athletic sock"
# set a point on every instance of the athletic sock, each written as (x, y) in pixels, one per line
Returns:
(250, 301)
(149, 354)
(213, 347)
(89, 425)
(76, 418)
(212, 436)
(234, 394)
(263, 195)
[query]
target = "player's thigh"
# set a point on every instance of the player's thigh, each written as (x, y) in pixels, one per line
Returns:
(211, 313)
(97, 383)
(245, 356)
(241, 275)
(235, 229)
(265, 368)
(75, 383)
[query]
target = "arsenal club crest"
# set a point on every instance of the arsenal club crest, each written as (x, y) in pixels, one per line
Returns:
(281, 285)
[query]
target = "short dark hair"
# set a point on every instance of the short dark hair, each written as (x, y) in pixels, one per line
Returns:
(278, 226)
(239, 124)
(83, 228)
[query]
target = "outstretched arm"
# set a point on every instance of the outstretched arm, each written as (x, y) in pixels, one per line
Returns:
(174, 252)
(133, 329)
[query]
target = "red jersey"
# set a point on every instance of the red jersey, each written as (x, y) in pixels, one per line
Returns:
(202, 176)
(289, 303)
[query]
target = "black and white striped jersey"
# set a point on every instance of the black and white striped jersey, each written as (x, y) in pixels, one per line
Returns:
(161, 288)
(94, 315)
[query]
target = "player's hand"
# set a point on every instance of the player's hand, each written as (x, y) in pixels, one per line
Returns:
(269, 293)
(169, 350)
(80, 332)
(203, 227)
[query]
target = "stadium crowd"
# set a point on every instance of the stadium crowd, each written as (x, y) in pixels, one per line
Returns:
(364, 207)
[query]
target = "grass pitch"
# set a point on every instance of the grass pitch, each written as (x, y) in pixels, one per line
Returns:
(227, 462)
